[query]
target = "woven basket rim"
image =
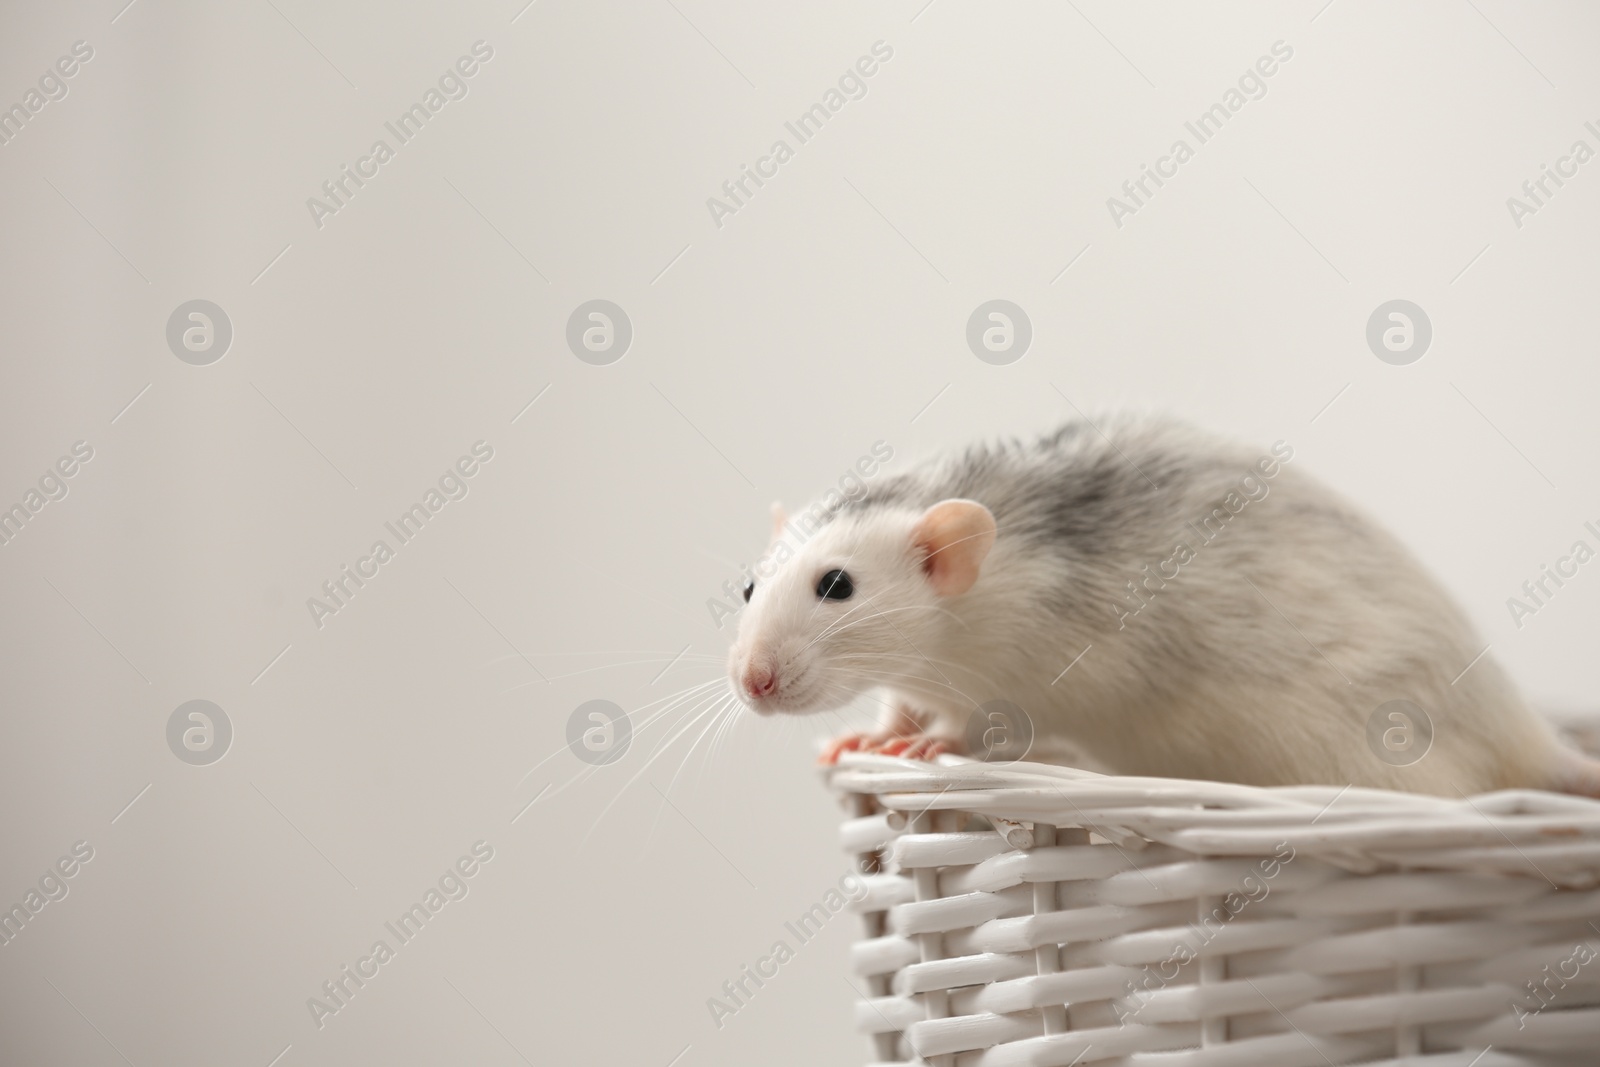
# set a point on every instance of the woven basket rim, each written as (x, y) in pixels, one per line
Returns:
(1551, 836)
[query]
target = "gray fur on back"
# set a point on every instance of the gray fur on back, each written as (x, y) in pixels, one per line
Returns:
(1260, 660)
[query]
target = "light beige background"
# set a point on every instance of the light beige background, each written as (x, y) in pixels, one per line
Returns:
(769, 353)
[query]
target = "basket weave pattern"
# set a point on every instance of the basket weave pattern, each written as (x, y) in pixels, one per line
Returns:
(1037, 915)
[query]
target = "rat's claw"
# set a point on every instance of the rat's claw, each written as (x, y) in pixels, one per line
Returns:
(839, 746)
(881, 744)
(915, 746)
(926, 748)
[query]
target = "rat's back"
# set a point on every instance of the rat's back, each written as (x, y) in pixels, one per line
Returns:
(1236, 620)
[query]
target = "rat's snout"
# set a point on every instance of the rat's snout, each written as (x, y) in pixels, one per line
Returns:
(773, 677)
(758, 676)
(753, 671)
(760, 681)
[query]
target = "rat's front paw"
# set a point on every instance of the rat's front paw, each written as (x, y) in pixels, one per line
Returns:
(907, 746)
(920, 746)
(842, 744)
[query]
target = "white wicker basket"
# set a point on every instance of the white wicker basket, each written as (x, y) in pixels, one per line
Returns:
(1038, 915)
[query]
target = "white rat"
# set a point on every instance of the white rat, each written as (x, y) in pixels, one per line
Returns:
(1223, 615)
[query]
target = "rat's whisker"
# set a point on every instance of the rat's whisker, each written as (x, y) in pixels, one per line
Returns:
(840, 625)
(602, 652)
(838, 628)
(648, 652)
(649, 762)
(727, 722)
(709, 683)
(590, 771)
(695, 700)
(624, 663)
(959, 669)
(683, 694)
(587, 670)
(816, 605)
(909, 684)
(722, 703)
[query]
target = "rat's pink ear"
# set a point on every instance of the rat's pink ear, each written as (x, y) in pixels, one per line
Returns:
(955, 536)
(779, 517)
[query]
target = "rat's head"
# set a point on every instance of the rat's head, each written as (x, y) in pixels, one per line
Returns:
(848, 610)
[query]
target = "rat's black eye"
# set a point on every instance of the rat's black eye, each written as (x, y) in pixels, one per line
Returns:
(749, 589)
(835, 585)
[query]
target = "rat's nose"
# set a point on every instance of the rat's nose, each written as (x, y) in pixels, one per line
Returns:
(760, 680)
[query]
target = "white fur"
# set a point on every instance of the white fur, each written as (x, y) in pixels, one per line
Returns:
(1261, 663)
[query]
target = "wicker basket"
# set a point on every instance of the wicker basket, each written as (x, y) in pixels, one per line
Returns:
(1031, 914)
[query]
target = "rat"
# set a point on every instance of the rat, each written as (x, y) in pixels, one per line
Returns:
(1171, 604)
